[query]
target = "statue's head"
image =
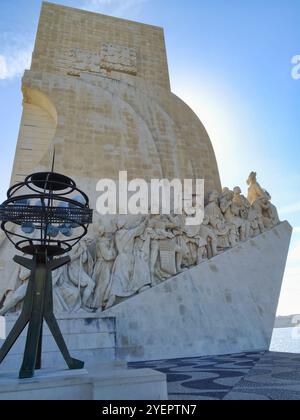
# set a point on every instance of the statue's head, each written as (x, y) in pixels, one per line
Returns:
(101, 230)
(265, 201)
(227, 193)
(237, 191)
(85, 242)
(213, 196)
(252, 178)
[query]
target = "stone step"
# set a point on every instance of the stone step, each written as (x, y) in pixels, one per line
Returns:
(54, 359)
(75, 324)
(89, 337)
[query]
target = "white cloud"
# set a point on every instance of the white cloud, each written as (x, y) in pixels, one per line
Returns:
(14, 64)
(116, 7)
(292, 208)
(296, 230)
(15, 54)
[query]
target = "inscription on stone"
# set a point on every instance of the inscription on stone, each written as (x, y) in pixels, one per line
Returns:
(111, 58)
(118, 58)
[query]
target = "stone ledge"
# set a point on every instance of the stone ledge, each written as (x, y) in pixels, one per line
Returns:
(112, 383)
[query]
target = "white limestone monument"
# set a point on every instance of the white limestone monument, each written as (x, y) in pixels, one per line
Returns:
(139, 287)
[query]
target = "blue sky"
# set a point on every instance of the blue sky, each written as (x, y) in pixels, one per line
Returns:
(230, 60)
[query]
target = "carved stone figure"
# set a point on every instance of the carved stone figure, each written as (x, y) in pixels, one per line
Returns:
(157, 231)
(105, 257)
(272, 212)
(177, 226)
(209, 235)
(242, 202)
(255, 191)
(80, 270)
(249, 213)
(15, 295)
(262, 207)
(165, 252)
(66, 295)
(261, 201)
(141, 279)
(232, 215)
(122, 274)
(196, 245)
(226, 233)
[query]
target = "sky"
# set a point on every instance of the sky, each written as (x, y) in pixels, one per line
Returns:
(232, 61)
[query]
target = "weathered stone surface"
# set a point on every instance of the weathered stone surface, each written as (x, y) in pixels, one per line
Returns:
(98, 89)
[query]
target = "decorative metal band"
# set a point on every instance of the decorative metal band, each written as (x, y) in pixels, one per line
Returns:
(48, 215)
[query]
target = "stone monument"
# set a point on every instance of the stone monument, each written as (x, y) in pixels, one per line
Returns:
(145, 287)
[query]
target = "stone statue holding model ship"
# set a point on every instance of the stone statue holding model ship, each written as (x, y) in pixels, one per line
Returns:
(145, 287)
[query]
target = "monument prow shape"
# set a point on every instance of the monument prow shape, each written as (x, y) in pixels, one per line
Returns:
(225, 305)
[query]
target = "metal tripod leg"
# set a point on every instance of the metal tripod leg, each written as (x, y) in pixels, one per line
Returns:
(35, 323)
(14, 335)
(38, 364)
(55, 330)
(20, 324)
(38, 305)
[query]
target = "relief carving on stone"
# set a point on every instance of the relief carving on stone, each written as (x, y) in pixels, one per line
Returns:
(132, 253)
(111, 58)
(118, 58)
(84, 60)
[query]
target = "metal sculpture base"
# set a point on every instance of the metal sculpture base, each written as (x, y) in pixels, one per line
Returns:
(37, 307)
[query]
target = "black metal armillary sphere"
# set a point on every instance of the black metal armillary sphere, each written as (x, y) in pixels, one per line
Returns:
(44, 216)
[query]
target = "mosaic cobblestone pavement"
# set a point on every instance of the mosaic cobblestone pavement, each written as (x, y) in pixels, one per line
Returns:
(245, 376)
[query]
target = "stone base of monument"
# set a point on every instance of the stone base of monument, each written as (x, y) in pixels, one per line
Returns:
(88, 337)
(103, 384)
